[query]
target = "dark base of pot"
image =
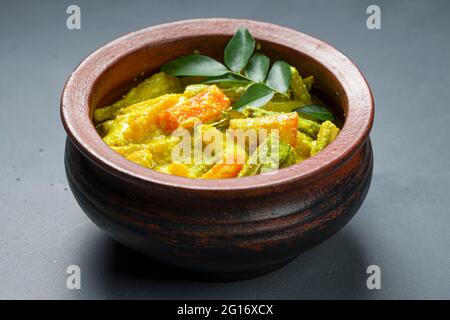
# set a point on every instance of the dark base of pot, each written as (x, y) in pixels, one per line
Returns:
(223, 277)
(227, 257)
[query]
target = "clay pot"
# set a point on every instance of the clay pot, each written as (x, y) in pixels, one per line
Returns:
(230, 228)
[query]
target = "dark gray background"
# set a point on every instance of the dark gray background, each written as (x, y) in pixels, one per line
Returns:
(403, 226)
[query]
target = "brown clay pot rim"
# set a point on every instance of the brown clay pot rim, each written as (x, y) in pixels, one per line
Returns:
(78, 90)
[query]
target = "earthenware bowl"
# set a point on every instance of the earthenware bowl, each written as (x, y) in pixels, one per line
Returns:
(230, 228)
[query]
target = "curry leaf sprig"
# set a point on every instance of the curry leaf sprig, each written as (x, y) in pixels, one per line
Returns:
(242, 66)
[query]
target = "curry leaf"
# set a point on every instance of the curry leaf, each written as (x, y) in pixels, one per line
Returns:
(257, 67)
(318, 112)
(257, 95)
(239, 50)
(279, 77)
(194, 65)
(228, 78)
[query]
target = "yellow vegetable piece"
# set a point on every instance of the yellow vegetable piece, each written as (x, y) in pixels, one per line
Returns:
(138, 123)
(304, 145)
(155, 86)
(140, 154)
(282, 106)
(233, 92)
(286, 123)
(298, 87)
(161, 148)
(310, 127)
(327, 133)
(179, 169)
(142, 157)
(309, 82)
(127, 150)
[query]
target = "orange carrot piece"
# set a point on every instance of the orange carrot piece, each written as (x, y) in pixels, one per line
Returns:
(230, 166)
(206, 106)
(223, 170)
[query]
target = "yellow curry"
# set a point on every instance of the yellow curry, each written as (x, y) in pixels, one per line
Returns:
(199, 118)
(139, 127)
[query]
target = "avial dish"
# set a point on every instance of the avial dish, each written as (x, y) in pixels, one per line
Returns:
(199, 118)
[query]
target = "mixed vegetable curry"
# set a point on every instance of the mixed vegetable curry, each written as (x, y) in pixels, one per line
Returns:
(199, 103)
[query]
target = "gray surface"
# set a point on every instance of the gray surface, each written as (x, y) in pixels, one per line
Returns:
(403, 225)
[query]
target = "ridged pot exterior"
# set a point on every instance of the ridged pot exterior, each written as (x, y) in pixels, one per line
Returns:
(225, 235)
